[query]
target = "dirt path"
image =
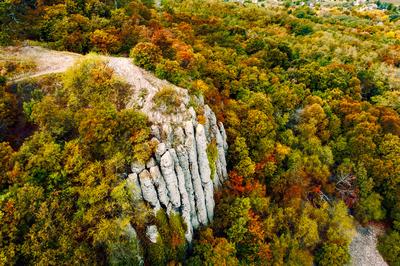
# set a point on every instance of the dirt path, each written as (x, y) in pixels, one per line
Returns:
(47, 61)
(50, 62)
(363, 249)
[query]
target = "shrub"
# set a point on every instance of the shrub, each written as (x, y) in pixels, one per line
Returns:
(301, 28)
(389, 247)
(91, 81)
(12, 67)
(332, 255)
(169, 70)
(146, 55)
(212, 155)
(168, 99)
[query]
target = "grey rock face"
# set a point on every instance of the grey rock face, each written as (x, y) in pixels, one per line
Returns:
(210, 121)
(221, 163)
(205, 171)
(134, 186)
(178, 178)
(159, 183)
(201, 144)
(184, 163)
(190, 145)
(152, 233)
(168, 171)
(148, 190)
(223, 134)
(185, 210)
(137, 167)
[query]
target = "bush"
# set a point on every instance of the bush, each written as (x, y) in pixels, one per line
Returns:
(146, 55)
(3, 80)
(389, 247)
(169, 70)
(332, 255)
(91, 81)
(370, 208)
(168, 99)
(8, 112)
(301, 28)
(212, 155)
(4, 39)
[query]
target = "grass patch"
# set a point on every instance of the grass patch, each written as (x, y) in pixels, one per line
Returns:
(168, 99)
(212, 155)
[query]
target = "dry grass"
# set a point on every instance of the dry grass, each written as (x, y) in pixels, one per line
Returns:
(168, 99)
(395, 2)
(12, 67)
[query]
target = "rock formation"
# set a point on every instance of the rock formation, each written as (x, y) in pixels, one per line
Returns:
(178, 177)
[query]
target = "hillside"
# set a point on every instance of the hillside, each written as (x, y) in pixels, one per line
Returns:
(199, 133)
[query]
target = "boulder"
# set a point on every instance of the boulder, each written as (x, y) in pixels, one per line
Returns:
(221, 163)
(152, 233)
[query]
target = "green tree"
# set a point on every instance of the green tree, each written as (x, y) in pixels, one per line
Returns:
(240, 154)
(388, 246)
(332, 254)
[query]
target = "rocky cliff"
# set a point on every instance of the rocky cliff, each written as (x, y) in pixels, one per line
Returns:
(183, 174)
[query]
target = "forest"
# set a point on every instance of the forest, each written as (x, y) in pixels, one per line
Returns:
(309, 97)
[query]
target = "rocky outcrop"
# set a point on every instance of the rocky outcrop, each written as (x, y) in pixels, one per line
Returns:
(190, 145)
(148, 190)
(205, 171)
(178, 177)
(159, 184)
